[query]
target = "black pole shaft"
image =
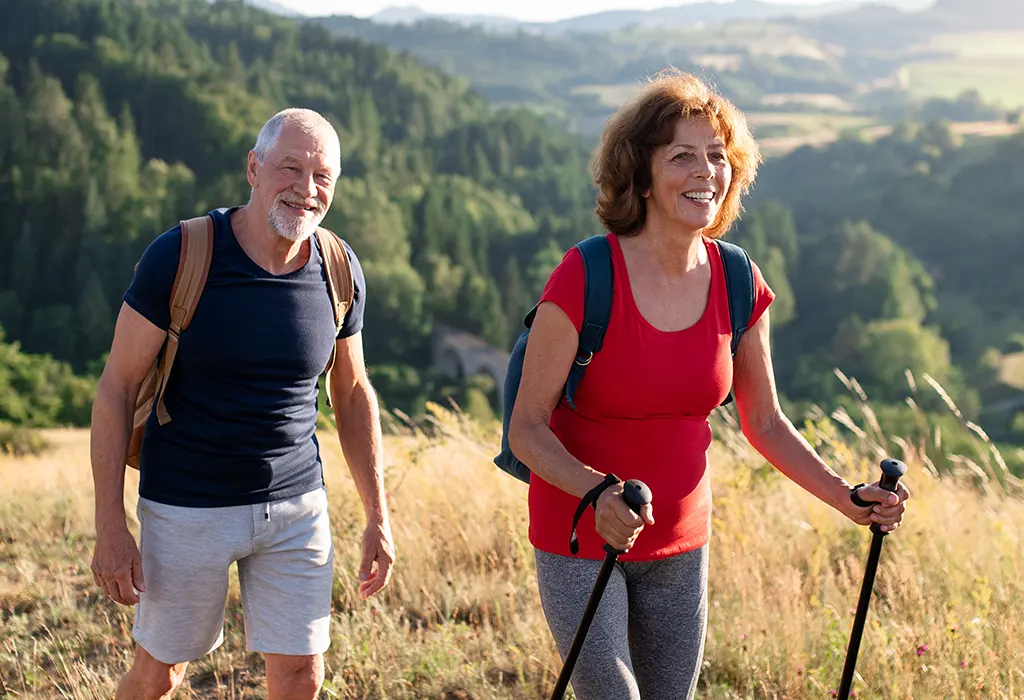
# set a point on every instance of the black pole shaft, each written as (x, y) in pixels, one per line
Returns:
(588, 615)
(861, 616)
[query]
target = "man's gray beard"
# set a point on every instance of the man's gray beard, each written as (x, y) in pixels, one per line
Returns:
(291, 230)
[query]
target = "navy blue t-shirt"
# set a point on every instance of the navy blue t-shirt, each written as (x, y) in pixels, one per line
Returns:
(243, 391)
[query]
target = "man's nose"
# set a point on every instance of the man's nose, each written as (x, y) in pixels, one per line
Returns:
(306, 186)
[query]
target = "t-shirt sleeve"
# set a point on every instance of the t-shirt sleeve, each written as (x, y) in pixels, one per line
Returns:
(566, 286)
(763, 295)
(150, 290)
(354, 316)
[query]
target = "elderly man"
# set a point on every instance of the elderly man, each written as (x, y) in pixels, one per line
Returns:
(236, 476)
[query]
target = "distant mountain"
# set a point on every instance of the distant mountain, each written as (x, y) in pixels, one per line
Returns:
(977, 6)
(680, 16)
(700, 13)
(271, 6)
(412, 15)
(983, 14)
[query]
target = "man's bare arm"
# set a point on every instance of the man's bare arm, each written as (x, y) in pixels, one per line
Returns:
(134, 348)
(357, 415)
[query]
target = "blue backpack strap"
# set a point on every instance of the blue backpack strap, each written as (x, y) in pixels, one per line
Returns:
(597, 308)
(739, 283)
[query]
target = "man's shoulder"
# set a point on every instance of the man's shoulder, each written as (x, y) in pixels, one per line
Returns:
(168, 243)
(355, 266)
(159, 261)
(341, 239)
(163, 249)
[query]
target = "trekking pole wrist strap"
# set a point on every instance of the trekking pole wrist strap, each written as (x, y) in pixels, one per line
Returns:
(857, 500)
(589, 499)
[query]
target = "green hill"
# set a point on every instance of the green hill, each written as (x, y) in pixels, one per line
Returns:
(123, 118)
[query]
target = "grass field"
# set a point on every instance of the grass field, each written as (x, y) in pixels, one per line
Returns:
(1011, 370)
(991, 62)
(462, 619)
(611, 95)
(805, 123)
(778, 131)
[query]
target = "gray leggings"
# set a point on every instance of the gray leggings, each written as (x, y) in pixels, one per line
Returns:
(647, 637)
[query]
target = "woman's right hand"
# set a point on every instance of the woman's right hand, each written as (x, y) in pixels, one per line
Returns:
(616, 523)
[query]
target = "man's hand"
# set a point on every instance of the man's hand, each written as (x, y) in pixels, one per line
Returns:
(379, 547)
(117, 565)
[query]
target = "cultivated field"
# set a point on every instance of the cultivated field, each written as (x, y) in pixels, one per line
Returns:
(990, 62)
(462, 617)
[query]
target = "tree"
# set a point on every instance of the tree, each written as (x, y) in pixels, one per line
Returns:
(880, 352)
(859, 272)
(515, 301)
(769, 235)
(542, 265)
(94, 320)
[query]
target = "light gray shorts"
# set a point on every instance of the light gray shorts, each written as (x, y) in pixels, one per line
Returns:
(285, 557)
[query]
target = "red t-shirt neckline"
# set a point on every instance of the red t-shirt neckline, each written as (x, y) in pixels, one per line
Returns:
(619, 264)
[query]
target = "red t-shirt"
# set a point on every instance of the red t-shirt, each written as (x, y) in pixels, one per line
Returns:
(643, 408)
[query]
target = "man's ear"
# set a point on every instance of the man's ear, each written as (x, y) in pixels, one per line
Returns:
(250, 169)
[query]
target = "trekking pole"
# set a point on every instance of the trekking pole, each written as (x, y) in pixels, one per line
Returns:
(892, 470)
(636, 494)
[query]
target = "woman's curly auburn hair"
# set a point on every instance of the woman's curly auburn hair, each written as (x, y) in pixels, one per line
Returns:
(621, 166)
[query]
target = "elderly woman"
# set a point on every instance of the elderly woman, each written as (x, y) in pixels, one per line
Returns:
(669, 171)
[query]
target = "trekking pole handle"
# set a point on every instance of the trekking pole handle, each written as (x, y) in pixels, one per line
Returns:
(892, 470)
(636, 494)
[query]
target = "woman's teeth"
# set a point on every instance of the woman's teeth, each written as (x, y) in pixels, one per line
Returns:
(699, 196)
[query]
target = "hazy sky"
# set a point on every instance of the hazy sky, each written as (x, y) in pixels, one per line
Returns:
(525, 10)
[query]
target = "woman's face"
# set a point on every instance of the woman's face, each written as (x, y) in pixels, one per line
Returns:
(690, 177)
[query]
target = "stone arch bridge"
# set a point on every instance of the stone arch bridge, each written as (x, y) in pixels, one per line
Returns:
(459, 354)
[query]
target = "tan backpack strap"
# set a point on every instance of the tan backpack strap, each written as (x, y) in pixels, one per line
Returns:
(193, 268)
(340, 287)
(339, 274)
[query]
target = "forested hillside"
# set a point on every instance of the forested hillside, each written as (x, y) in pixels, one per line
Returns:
(900, 253)
(120, 118)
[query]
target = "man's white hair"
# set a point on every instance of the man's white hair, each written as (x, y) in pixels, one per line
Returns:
(309, 121)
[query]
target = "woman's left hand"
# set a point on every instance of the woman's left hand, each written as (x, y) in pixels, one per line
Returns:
(887, 507)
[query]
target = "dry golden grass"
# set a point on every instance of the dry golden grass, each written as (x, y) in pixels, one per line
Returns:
(462, 618)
